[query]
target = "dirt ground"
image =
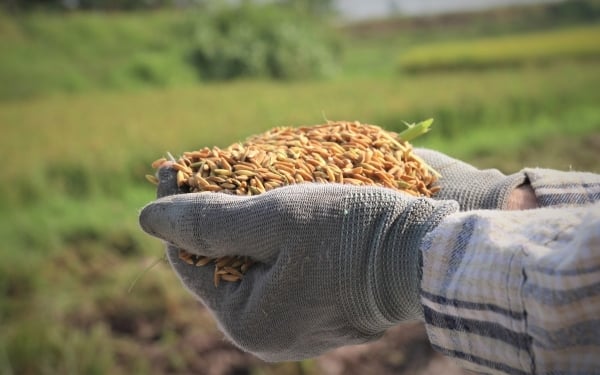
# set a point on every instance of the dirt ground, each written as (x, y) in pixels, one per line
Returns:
(402, 350)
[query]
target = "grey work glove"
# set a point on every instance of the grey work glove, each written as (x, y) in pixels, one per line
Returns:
(472, 188)
(338, 264)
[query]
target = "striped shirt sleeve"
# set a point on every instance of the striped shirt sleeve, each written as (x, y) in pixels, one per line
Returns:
(518, 292)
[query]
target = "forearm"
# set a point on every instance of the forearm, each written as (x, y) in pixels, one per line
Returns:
(511, 302)
(545, 188)
(522, 198)
(513, 291)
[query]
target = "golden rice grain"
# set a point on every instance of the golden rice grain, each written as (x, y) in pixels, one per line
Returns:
(230, 278)
(335, 152)
(202, 261)
(152, 179)
(158, 163)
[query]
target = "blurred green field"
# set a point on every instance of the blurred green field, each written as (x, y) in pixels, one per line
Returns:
(60, 52)
(73, 182)
(73, 52)
(522, 49)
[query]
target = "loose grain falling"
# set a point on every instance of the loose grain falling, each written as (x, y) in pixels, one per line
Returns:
(335, 152)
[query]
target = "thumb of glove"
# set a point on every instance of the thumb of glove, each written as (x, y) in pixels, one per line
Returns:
(211, 224)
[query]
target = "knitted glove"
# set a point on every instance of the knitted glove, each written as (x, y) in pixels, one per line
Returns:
(472, 188)
(338, 264)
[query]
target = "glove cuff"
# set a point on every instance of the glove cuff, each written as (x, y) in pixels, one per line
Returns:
(381, 287)
(472, 188)
(498, 195)
(480, 190)
(400, 290)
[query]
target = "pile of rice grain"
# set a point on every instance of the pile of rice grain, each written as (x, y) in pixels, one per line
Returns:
(335, 152)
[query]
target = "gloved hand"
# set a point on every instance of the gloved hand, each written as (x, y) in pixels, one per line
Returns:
(338, 264)
(472, 188)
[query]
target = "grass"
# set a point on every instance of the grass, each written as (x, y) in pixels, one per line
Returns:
(73, 182)
(83, 158)
(521, 49)
(74, 52)
(70, 144)
(76, 182)
(63, 52)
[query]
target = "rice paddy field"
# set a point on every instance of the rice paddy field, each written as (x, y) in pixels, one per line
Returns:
(75, 293)
(534, 48)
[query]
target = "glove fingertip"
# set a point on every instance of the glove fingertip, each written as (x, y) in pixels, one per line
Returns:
(167, 182)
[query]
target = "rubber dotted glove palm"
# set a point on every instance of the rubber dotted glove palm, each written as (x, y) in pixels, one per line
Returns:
(337, 264)
(472, 188)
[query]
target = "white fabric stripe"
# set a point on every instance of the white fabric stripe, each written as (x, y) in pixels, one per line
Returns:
(555, 190)
(565, 282)
(481, 290)
(566, 299)
(481, 278)
(565, 315)
(571, 248)
(483, 347)
(478, 278)
(482, 315)
(548, 177)
(494, 297)
(487, 275)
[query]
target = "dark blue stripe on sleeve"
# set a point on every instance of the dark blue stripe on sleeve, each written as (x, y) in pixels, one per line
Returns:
(566, 272)
(481, 361)
(553, 297)
(477, 327)
(579, 334)
(567, 198)
(517, 315)
(462, 240)
(571, 186)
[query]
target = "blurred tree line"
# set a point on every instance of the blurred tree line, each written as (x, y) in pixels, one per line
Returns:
(211, 40)
(311, 6)
(215, 40)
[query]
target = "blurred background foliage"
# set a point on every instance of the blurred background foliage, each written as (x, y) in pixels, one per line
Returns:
(92, 91)
(161, 48)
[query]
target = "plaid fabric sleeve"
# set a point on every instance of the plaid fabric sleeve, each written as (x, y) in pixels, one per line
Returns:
(560, 189)
(518, 292)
